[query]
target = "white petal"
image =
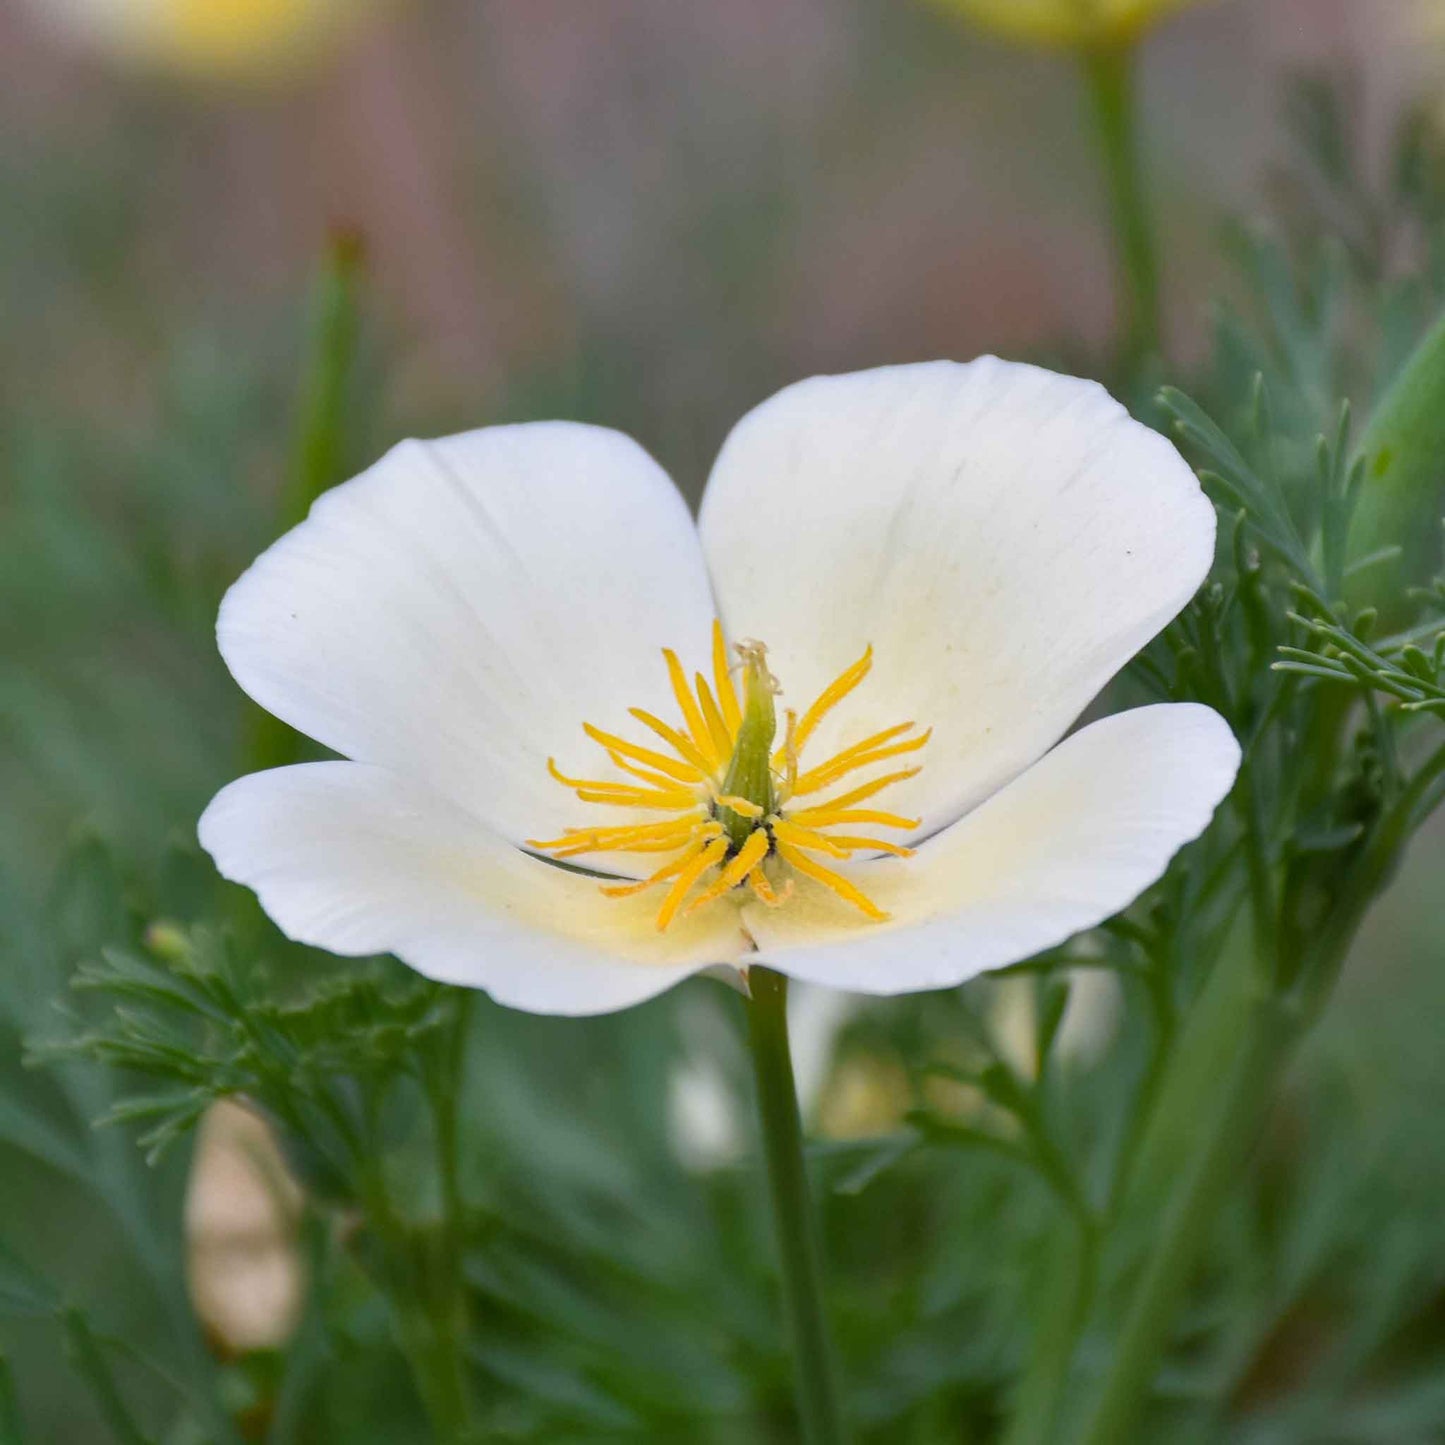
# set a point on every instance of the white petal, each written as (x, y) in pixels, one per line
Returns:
(1068, 844)
(1005, 538)
(457, 612)
(359, 860)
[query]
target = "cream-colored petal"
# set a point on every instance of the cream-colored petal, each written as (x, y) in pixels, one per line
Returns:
(458, 612)
(1004, 537)
(1068, 844)
(359, 860)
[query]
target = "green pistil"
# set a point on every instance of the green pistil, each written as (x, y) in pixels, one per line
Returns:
(750, 770)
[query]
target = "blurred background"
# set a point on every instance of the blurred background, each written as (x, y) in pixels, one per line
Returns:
(647, 213)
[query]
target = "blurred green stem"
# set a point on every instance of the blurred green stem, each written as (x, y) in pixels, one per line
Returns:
(316, 456)
(1109, 77)
(1258, 1054)
(421, 1262)
(12, 1432)
(90, 1363)
(798, 1251)
(1206, 1124)
(420, 1270)
(1073, 1278)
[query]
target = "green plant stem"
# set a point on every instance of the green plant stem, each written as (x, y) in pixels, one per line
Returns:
(1074, 1277)
(12, 1431)
(1256, 1029)
(1109, 77)
(421, 1267)
(90, 1363)
(420, 1271)
(316, 456)
(1258, 1056)
(782, 1132)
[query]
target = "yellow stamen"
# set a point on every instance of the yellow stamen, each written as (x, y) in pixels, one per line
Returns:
(624, 795)
(800, 837)
(767, 894)
(727, 791)
(830, 817)
(862, 755)
(866, 845)
(683, 772)
(668, 870)
(674, 739)
(691, 872)
(740, 805)
(640, 798)
(658, 780)
(831, 696)
(789, 752)
(599, 839)
(832, 881)
(722, 739)
(867, 790)
(749, 856)
(641, 842)
(723, 681)
(691, 713)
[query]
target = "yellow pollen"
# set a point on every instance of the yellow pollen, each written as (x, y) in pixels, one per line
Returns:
(729, 827)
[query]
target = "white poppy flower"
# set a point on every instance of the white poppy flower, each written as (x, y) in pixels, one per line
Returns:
(944, 563)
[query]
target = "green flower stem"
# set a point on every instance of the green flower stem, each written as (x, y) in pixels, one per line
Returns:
(1072, 1283)
(90, 1363)
(1206, 1125)
(1259, 1054)
(419, 1269)
(798, 1252)
(316, 459)
(419, 1264)
(1109, 76)
(12, 1430)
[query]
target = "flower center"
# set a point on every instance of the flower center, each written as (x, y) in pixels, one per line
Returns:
(729, 798)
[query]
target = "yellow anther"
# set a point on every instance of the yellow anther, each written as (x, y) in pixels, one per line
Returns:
(594, 840)
(835, 882)
(767, 894)
(685, 772)
(854, 844)
(727, 791)
(624, 795)
(722, 738)
(727, 697)
(831, 696)
(831, 817)
(801, 837)
(691, 713)
(684, 747)
(739, 805)
(749, 856)
(668, 870)
(714, 852)
(867, 790)
(861, 755)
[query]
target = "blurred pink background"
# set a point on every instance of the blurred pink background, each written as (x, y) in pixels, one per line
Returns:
(834, 183)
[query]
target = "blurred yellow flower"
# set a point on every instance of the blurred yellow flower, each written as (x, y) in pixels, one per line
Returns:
(210, 38)
(1067, 22)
